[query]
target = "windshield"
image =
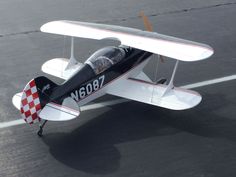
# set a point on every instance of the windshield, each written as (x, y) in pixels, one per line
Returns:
(105, 58)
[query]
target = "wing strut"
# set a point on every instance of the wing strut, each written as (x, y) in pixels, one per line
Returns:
(171, 83)
(72, 61)
(173, 74)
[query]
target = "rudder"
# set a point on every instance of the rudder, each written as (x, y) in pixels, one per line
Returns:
(36, 95)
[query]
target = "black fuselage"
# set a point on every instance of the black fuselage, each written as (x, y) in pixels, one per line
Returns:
(85, 81)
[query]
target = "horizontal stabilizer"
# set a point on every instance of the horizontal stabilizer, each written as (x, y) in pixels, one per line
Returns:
(55, 112)
(58, 67)
(16, 100)
(52, 111)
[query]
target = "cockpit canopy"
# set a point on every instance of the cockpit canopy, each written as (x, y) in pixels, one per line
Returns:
(104, 58)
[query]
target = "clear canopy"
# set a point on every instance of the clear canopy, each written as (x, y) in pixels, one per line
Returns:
(104, 58)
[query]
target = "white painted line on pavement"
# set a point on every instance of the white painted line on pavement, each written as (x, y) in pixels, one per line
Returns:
(119, 101)
(210, 82)
(11, 123)
(83, 108)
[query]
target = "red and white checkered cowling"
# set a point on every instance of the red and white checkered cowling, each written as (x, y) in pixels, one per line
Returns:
(30, 103)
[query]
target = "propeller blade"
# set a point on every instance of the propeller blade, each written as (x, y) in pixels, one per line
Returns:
(149, 27)
(146, 22)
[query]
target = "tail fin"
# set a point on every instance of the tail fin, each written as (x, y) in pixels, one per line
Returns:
(36, 95)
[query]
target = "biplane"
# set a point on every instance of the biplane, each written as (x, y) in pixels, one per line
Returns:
(114, 70)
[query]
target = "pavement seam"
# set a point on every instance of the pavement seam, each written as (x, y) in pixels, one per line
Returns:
(170, 12)
(134, 17)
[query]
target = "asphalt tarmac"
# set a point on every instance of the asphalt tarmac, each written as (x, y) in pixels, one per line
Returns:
(129, 139)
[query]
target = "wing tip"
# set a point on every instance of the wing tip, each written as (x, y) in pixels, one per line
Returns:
(207, 53)
(47, 26)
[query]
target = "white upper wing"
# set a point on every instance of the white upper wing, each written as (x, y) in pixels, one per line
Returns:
(149, 41)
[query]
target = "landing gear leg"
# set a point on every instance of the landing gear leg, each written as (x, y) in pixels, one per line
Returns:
(40, 132)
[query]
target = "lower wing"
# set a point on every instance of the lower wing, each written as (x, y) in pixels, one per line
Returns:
(158, 95)
(58, 67)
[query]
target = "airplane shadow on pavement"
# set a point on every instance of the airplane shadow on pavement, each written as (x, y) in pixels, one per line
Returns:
(92, 147)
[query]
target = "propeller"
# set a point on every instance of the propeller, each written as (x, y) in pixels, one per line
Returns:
(146, 21)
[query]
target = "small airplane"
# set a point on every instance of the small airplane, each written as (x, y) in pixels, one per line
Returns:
(114, 70)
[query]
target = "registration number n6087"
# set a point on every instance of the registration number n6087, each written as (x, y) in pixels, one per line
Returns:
(88, 89)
